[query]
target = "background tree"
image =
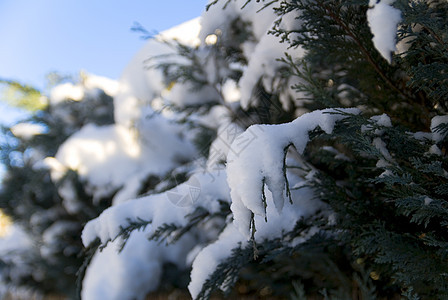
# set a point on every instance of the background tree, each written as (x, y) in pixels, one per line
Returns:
(37, 203)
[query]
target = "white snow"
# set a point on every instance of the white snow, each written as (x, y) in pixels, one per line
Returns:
(66, 91)
(264, 65)
(133, 272)
(109, 86)
(382, 120)
(230, 91)
(186, 33)
(27, 130)
(218, 19)
(108, 156)
(69, 197)
(209, 258)
(15, 239)
(383, 21)
(435, 150)
(421, 136)
(337, 154)
(386, 174)
(257, 156)
(103, 155)
(382, 147)
(89, 85)
(427, 200)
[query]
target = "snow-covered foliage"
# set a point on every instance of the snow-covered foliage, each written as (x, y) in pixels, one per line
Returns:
(51, 212)
(108, 157)
(207, 188)
(140, 86)
(250, 137)
(258, 159)
(254, 169)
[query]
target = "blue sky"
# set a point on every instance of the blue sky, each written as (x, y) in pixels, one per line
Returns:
(40, 36)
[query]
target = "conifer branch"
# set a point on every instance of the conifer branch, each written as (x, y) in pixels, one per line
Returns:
(363, 49)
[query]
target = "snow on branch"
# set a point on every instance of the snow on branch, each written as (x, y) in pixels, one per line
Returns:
(170, 207)
(258, 159)
(383, 20)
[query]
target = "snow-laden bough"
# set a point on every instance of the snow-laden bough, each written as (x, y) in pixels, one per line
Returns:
(201, 190)
(258, 158)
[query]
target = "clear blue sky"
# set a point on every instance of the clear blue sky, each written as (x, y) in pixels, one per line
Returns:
(40, 36)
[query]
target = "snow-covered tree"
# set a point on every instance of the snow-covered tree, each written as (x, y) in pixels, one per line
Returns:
(281, 148)
(49, 212)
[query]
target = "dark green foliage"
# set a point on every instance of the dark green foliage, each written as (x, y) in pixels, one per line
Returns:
(170, 233)
(340, 50)
(387, 217)
(426, 59)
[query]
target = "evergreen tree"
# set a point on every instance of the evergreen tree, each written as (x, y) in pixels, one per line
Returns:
(319, 168)
(34, 200)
